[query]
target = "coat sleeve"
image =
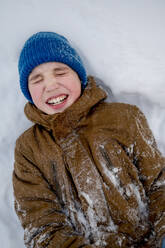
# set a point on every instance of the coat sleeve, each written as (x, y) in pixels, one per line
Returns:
(151, 167)
(44, 219)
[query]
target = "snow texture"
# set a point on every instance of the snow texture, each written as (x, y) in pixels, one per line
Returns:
(121, 42)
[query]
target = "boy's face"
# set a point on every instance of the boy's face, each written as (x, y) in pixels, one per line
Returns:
(54, 87)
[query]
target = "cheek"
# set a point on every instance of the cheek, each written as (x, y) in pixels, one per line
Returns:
(76, 88)
(36, 93)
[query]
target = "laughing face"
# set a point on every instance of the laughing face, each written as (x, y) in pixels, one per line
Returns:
(54, 87)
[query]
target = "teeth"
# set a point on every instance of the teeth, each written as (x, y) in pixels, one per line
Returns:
(57, 100)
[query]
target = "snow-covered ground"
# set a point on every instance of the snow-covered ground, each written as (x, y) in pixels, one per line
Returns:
(121, 42)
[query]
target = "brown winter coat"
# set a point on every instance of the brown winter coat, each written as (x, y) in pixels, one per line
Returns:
(91, 176)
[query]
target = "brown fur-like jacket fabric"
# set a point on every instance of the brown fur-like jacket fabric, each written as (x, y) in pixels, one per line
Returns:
(91, 176)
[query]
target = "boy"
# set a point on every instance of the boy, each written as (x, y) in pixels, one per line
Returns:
(88, 173)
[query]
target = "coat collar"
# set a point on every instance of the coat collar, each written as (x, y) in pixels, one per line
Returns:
(62, 124)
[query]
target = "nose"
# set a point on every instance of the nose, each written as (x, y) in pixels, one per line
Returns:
(51, 84)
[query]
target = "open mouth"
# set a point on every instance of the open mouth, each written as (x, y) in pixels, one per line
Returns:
(56, 100)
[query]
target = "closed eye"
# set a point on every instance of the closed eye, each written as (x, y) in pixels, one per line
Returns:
(37, 81)
(60, 73)
(63, 73)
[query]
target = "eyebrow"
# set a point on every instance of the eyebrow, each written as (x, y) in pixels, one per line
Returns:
(60, 68)
(31, 78)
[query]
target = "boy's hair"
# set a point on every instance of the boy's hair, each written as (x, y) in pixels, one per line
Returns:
(44, 47)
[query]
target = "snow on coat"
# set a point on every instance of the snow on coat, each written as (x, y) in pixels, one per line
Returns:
(91, 176)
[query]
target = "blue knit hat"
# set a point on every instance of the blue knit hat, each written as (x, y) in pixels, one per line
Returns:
(46, 47)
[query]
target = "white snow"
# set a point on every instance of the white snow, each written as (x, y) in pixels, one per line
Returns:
(133, 189)
(113, 176)
(121, 42)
